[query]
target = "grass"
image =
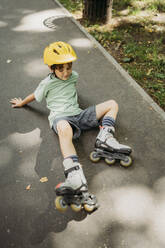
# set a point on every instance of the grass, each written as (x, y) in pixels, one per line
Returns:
(72, 5)
(135, 38)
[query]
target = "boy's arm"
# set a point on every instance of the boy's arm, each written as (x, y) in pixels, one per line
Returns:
(18, 102)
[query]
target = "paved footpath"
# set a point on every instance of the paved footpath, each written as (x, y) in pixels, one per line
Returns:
(132, 200)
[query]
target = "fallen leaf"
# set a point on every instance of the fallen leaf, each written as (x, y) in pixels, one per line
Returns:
(149, 71)
(117, 46)
(28, 187)
(43, 179)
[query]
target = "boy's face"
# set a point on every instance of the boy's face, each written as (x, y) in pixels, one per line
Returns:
(64, 71)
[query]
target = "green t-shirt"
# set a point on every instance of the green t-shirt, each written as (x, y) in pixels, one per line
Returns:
(61, 96)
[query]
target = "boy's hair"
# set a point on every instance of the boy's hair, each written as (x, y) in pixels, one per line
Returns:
(60, 66)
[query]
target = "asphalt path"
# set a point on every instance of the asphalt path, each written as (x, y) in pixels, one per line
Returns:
(132, 200)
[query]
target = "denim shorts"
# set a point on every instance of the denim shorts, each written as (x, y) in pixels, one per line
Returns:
(83, 121)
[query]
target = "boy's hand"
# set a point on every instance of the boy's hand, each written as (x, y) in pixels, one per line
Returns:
(16, 102)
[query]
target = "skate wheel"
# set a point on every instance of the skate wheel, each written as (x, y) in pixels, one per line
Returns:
(93, 157)
(76, 208)
(127, 162)
(109, 161)
(89, 208)
(60, 204)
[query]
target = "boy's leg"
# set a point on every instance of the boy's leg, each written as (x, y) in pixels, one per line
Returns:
(75, 178)
(105, 139)
(65, 134)
(75, 189)
(108, 108)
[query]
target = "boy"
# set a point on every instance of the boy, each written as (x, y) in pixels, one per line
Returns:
(66, 118)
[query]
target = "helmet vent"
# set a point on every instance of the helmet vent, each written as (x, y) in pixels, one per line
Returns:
(55, 51)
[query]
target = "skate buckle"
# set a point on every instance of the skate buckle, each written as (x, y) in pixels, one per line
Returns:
(66, 172)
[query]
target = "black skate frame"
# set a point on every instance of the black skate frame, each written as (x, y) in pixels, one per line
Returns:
(101, 153)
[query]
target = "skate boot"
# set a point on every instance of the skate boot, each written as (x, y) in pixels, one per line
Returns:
(108, 147)
(74, 191)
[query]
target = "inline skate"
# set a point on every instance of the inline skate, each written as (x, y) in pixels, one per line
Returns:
(74, 191)
(110, 149)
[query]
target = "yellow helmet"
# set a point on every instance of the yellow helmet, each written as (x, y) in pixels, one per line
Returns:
(59, 53)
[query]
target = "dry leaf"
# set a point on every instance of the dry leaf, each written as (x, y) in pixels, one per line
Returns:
(149, 71)
(28, 187)
(43, 179)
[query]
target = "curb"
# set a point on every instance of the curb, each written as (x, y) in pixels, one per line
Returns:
(130, 80)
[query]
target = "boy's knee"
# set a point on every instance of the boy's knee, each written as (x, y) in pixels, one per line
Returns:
(113, 104)
(64, 128)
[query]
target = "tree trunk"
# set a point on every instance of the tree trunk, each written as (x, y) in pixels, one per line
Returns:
(98, 10)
